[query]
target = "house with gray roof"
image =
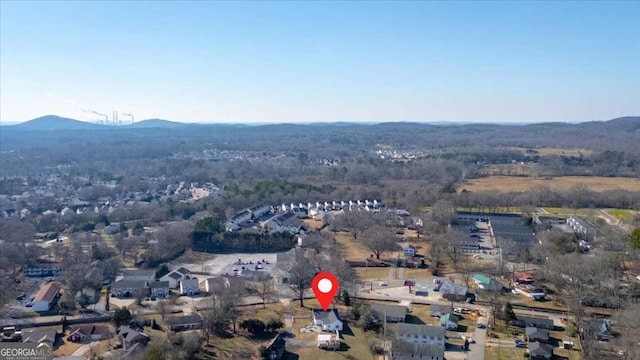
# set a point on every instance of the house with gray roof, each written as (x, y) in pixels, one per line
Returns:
(403, 350)
(393, 313)
(159, 289)
(327, 320)
(438, 310)
(453, 292)
(540, 351)
(128, 288)
(185, 322)
(139, 275)
(418, 333)
(534, 334)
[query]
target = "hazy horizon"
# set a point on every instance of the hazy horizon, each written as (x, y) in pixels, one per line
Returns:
(289, 62)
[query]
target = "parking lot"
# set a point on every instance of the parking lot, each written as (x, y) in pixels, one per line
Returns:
(225, 264)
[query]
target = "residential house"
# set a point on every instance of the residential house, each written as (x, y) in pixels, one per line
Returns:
(139, 275)
(46, 297)
(439, 310)
(111, 229)
(39, 335)
(534, 334)
(449, 321)
(599, 329)
(393, 313)
(259, 210)
(44, 269)
(329, 340)
(486, 283)
(541, 323)
(524, 277)
(402, 350)
(327, 320)
(86, 333)
(540, 351)
(189, 287)
(234, 222)
(453, 292)
(128, 337)
(530, 291)
(174, 277)
(425, 334)
(287, 222)
(160, 289)
(129, 288)
(185, 322)
(408, 251)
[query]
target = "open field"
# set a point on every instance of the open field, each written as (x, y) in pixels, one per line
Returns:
(568, 211)
(513, 183)
(351, 250)
(496, 352)
(623, 215)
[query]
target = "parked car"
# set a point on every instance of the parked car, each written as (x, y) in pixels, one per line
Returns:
(471, 341)
(29, 304)
(382, 283)
(21, 296)
(520, 343)
(481, 326)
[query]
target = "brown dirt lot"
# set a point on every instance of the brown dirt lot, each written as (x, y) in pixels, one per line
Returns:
(514, 183)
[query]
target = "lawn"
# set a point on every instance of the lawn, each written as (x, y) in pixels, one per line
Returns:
(518, 183)
(568, 211)
(351, 250)
(372, 273)
(495, 352)
(355, 344)
(623, 215)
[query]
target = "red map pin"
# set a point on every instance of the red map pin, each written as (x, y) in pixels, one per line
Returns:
(325, 286)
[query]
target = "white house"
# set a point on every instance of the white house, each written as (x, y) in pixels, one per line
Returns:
(189, 287)
(46, 297)
(160, 289)
(327, 320)
(175, 276)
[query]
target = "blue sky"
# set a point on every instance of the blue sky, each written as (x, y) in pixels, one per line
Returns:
(320, 61)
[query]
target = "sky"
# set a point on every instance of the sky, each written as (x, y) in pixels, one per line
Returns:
(313, 61)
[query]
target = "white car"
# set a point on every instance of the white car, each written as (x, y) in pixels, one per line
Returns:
(382, 283)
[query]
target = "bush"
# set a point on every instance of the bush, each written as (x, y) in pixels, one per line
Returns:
(274, 324)
(254, 326)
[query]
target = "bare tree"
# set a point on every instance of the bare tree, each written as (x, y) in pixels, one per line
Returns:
(264, 288)
(163, 308)
(627, 321)
(379, 239)
(299, 270)
(437, 252)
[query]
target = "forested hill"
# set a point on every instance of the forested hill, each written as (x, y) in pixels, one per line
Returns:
(620, 134)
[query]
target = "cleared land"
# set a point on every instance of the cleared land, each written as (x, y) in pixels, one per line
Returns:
(515, 183)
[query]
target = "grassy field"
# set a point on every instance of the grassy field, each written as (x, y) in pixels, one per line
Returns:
(568, 211)
(496, 352)
(513, 183)
(351, 250)
(372, 274)
(623, 215)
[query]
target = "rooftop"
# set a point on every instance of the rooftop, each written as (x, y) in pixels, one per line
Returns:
(48, 292)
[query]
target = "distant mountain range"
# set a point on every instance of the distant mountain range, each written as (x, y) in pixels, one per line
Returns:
(54, 122)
